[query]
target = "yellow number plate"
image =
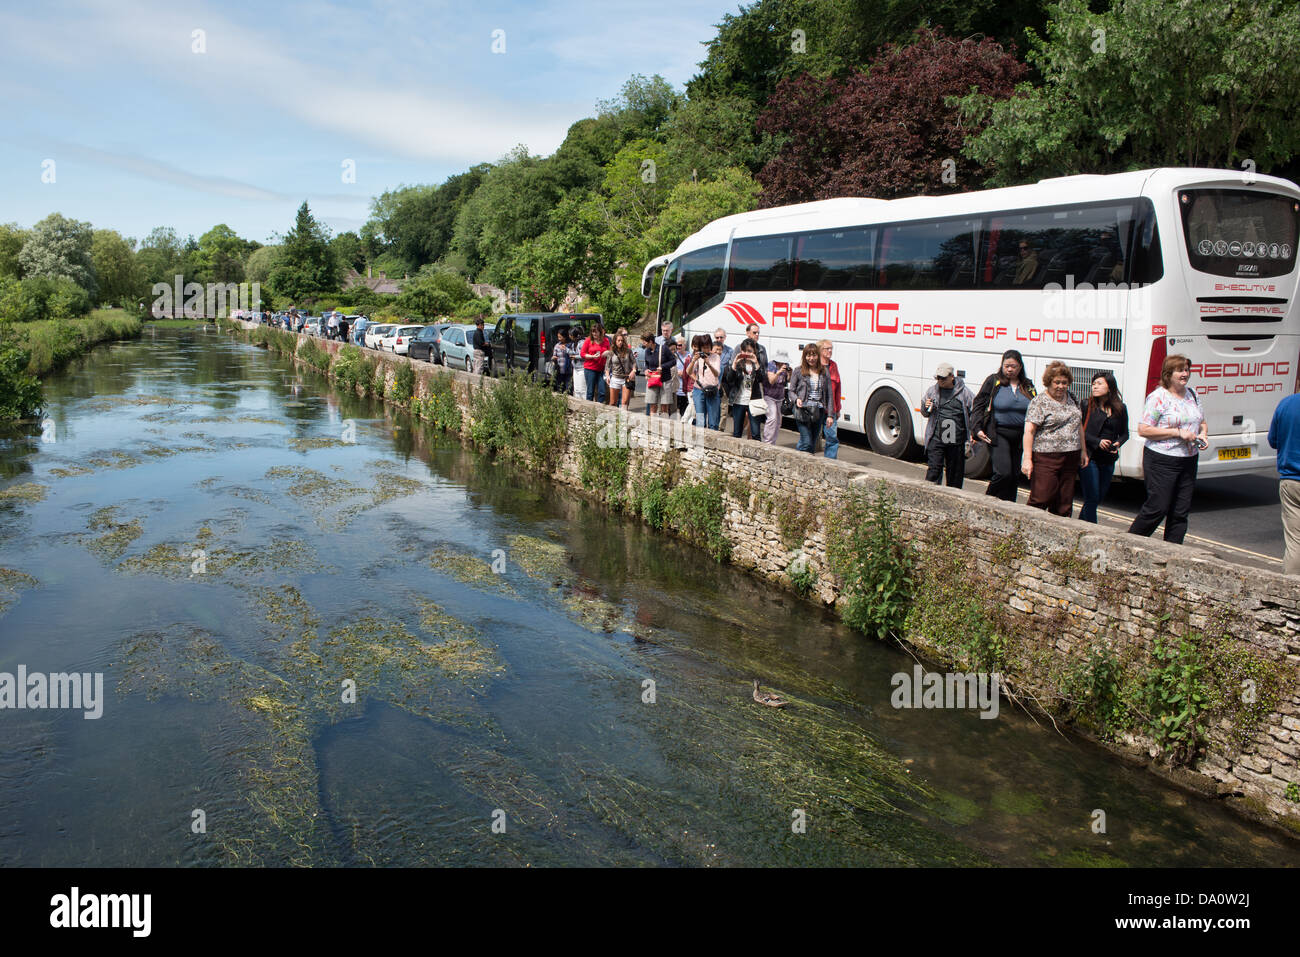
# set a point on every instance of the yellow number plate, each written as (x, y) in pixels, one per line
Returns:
(1242, 452)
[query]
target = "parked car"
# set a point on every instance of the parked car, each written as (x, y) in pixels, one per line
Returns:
(375, 333)
(455, 346)
(312, 326)
(397, 339)
(424, 345)
(524, 341)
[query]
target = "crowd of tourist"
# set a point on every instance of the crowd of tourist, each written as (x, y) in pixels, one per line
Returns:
(1054, 440)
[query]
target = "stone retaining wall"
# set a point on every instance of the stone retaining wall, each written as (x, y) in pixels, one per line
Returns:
(1061, 587)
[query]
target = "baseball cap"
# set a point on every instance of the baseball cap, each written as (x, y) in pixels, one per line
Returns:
(944, 370)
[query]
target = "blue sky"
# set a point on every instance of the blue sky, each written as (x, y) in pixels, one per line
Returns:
(145, 132)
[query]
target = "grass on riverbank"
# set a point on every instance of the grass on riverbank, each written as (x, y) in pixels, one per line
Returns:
(51, 344)
(29, 350)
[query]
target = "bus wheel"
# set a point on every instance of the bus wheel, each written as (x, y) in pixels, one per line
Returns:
(979, 464)
(889, 423)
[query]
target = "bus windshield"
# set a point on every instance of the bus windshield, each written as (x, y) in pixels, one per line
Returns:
(692, 283)
(1240, 232)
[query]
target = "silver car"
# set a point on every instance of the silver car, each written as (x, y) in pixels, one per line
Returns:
(456, 348)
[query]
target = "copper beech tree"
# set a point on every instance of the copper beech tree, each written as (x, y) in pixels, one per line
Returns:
(889, 131)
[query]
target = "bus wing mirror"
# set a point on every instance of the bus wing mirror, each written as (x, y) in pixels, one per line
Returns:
(648, 274)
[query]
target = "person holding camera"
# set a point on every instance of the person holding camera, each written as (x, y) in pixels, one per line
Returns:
(811, 389)
(743, 380)
(705, 368)
(778, 376)
(1175, 431)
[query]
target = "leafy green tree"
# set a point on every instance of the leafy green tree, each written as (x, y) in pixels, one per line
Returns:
(433, 292)
(161, 256)
(576, 252)
(260, 263)
(121, 280)
(220, 256)
(349, 252)
(37, 298)
(60, 248)
(704, 136)
(12, 238)
(641, 107)
(512, 204)
(20, 393)
(1148, 83)
(306, 264)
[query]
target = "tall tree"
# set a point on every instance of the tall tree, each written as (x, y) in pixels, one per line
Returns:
(121, 280)
(59, 248)
(1149, 83)
(888, 132)
(161, 256)
(12, 238)
(306, 264)
(220, 255)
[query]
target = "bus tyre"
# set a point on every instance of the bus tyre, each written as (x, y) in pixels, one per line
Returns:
(979, 464)
(888, 423)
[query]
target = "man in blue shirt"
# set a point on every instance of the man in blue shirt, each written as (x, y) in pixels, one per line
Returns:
(1284, 435)
(359, 330)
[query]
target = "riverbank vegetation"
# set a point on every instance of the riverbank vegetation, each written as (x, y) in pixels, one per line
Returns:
(29, 350)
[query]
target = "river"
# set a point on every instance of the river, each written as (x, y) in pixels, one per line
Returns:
(331, 637)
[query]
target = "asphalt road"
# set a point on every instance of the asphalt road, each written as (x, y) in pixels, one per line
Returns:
(1237, 518)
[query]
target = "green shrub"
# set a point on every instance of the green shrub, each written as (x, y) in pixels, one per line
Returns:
(874, 563)
(604, 458)
(803, 579)
(520, 419)
(949, 608)
(696, 511)
(20, 392)
(403, 384)
(650, 499)
(39, 298)
(1177, 697)
(440, 406)
(353, 371)
(311, 353)
(1094, 689)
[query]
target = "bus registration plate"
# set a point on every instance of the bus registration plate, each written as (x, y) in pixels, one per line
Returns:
(1241, 452)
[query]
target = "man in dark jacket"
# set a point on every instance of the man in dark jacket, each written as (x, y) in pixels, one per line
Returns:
(946, 406)
(479, 342)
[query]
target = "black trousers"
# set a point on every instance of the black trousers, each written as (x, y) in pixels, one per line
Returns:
(940, 457)
(1170, 481)
(1008, 446)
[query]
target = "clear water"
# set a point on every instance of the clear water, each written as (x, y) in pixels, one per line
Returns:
(515, 699)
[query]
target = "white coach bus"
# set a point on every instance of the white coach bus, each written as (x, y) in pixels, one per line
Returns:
(1106, 273)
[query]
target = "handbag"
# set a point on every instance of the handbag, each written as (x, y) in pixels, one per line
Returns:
(654, 379)
(757, 407)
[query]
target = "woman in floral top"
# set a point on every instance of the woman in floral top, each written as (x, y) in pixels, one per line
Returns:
(1054, 446)
(1175, 431)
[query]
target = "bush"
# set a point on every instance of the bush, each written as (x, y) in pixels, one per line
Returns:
(353, 370)
(696, 511)
(520, 419)
(874, 563)
(403, 384)
(311, 353)
(604, 458)
(440, 406)
(20, 392)
(39, 298)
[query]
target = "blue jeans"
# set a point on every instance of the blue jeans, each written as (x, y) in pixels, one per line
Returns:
(831, 433)
(708, 412)
(595, 385)
(738, 411)
(809, 434)
(1095, 479)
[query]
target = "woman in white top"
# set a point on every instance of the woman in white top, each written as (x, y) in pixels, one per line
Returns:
(1175, 431)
